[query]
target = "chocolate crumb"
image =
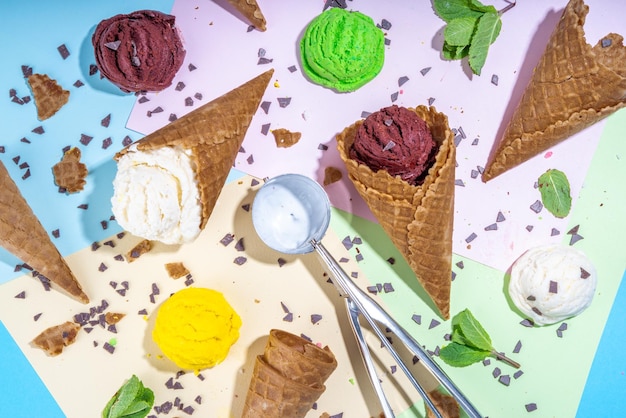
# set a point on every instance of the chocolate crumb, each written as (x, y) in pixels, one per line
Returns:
(470, 238)
(606, 42)
(496, 372)
(527, 322)
(425, 71)
(266, 106)
(56, 233)
(240, 260)
(21, 295)
(505, 379)
(284, 101)
(107, 142)
(63, 51)
(192, 67)
(584, 274)
(228, 238)
(530, 407)
(433, 323)
(402, 80)
(537, 206)
(494, 80)
(517, 347)
(537, 311)
(554, 287)
(517, 374)
(265, 128)
(315, 318)
(417, 319)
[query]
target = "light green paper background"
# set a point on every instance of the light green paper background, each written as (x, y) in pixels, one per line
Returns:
(555, 369)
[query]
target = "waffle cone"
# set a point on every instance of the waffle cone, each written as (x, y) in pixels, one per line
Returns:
(418, 219)
(214, 133)
(573, 86)
(22, 234)
(288, 378)
(251, 11)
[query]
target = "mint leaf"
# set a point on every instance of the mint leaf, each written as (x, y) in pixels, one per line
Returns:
(470, 343)
(478, 6)
(454, 9)
(487, 30)
(459, 355)
(451, 52)
(555, 192)
(458, 32)
(473, 332)
(471, 27)
(132, 400)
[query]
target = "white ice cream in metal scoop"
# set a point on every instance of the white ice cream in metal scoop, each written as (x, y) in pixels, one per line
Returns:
(551, 283)
(156, 195)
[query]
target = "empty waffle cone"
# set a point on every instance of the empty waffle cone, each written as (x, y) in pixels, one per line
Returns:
(573, 86)
(298, 358)
(418, 219)
(251, 11)
(22, 234)
(288, 378)
(214, 133)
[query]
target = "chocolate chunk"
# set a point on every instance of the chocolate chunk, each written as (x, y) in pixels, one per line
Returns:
(63, 51)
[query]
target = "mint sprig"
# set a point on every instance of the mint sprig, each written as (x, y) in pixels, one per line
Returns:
(555, 192)
(470, 343)
(132, 400)
(471, 27)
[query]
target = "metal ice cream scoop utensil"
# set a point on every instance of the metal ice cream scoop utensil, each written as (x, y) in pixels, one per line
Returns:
(291, 214)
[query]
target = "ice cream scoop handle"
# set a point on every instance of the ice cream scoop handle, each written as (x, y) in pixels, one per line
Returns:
(353, 316)
(373, 313)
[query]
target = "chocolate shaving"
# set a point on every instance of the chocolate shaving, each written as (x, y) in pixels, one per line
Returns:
(113, 45)
(554, 287)
(584, 274)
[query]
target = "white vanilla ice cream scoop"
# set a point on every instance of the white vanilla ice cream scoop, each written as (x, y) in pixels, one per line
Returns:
(156, 195)
(551, 283)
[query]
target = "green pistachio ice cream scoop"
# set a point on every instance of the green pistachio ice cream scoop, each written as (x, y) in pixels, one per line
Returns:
(342, 50)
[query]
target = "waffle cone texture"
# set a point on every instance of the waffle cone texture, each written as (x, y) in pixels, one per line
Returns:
(418, 219)
(214, 133)
(572, 87)
(288, 378)
(250, 10)
(24, 236)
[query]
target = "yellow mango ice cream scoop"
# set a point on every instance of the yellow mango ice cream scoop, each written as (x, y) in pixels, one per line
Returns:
(196, 327)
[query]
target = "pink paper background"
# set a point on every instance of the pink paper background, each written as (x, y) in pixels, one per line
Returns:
(212, 31)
